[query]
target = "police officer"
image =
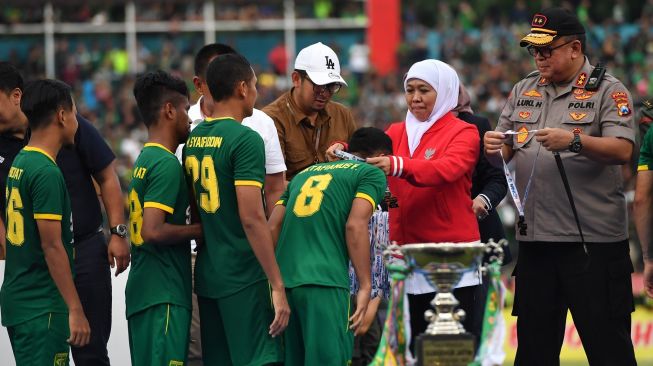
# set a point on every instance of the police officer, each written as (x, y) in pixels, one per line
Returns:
(572, 109)
(643, 208)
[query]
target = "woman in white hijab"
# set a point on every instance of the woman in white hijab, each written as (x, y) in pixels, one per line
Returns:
(430, 174)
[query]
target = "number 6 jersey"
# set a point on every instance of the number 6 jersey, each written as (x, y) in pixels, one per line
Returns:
(35, 190)
(219, 155)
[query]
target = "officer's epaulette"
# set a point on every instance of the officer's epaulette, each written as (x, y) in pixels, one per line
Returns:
(533, 74)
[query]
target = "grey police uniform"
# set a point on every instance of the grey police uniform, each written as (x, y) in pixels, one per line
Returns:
(553, 271)
(598, 190)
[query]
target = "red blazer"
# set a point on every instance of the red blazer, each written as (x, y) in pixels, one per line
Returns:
(433, 187)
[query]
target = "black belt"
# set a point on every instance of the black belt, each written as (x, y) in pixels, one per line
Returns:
(87, 236)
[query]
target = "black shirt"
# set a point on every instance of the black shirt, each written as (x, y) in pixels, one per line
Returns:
(9, 148)
(78, 163)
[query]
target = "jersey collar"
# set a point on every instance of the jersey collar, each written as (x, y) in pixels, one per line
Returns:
(154, 144)
(36, 149)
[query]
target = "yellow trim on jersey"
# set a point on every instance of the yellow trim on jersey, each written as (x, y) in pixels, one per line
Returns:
(248, 183)
(160, 206)
(280, 202)
(167, 318)
(45, 216)
(367, 197)
(641, 168)
(154, 144)
(32, 148)
(211, 119)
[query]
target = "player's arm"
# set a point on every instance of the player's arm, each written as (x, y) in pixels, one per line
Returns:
(644, 223)
(358, 246)
(274, 186)
(156, 231)
(275, 221)
(370, 314)
(59, 268)
(118, 249)
(3, 243)
(252, 217)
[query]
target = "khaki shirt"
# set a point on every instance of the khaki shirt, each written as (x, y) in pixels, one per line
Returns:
(302, 144)
(597, 188)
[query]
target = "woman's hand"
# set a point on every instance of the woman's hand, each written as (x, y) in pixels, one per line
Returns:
(381, 162)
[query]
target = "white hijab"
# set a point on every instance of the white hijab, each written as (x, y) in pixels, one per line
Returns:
(444, 79)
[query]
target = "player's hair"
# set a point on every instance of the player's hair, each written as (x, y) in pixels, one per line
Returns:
(208, 52)
(369, 141)
(42, 99)
(225, 72)
(154, 89)
(10, 78)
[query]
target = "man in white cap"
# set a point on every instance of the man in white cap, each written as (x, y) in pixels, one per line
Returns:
(307, 121)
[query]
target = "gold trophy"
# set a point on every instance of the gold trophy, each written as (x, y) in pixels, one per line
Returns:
(445, 342)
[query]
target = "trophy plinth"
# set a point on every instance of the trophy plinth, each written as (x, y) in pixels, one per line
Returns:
(445, 342)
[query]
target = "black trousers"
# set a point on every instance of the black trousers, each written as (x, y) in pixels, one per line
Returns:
(93, 283)
(551, 278)
(472, 300)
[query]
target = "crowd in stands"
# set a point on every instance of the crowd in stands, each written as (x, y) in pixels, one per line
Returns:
(481, 46)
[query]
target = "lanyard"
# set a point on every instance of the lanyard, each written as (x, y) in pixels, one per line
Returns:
(512, 188)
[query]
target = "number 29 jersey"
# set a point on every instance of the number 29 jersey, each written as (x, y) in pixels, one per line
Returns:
(219, 155)
(312, 248)
(35, 190)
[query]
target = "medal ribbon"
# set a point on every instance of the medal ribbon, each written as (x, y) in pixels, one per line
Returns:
(512, 188)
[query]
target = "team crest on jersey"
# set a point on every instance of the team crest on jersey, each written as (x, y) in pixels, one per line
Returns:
(582, 78)
(582, 94)
(524, 114)
(577, 116)
(522, 135)
(60, 359)
(428, 154)
(176, 363)
(532, 93)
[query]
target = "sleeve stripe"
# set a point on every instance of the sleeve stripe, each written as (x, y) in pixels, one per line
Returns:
(280, 202)
(45, 216)
(367, 197)
(248, 183)
(401, 166)
(642, 167)
(394, 165)
(160, 206)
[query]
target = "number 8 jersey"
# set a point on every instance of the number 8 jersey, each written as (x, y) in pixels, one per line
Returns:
(35, 190)
(219, 155)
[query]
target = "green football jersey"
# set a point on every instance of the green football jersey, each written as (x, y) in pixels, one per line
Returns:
(159, 273)
(312, 249)
(646, 152)
(219, 155)
(35, 190)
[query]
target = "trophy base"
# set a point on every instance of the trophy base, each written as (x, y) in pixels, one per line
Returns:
(445, 349)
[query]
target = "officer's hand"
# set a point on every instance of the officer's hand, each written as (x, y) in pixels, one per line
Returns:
(80, 331)
(648, 277)
(493, 142)
(281, 312)
(118, 253)
(329, 153)
(554, 139)
(381, 162)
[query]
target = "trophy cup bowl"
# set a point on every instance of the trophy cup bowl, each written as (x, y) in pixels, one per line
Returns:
(445, 341)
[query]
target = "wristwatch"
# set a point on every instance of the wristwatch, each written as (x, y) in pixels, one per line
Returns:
(120, 230)
(575, 145)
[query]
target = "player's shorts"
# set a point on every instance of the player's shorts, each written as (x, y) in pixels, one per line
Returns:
(159, 335)
(41, 341)
(235, 329)
(318, 331)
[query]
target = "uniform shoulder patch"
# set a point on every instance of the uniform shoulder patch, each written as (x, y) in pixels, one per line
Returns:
(581, 80)
(621, 101)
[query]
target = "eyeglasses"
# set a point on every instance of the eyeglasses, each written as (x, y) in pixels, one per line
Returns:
(331, 88)
(544, 51)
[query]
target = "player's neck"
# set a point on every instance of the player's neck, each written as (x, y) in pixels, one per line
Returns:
(164, 138)
(231, 108)
(47, 139)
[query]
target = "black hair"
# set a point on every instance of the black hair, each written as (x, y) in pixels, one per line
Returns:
(580, 37)
(225, 72)
(208, 52)
(153, 89)
(10, 77)
(368, 141)
(42, 99)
